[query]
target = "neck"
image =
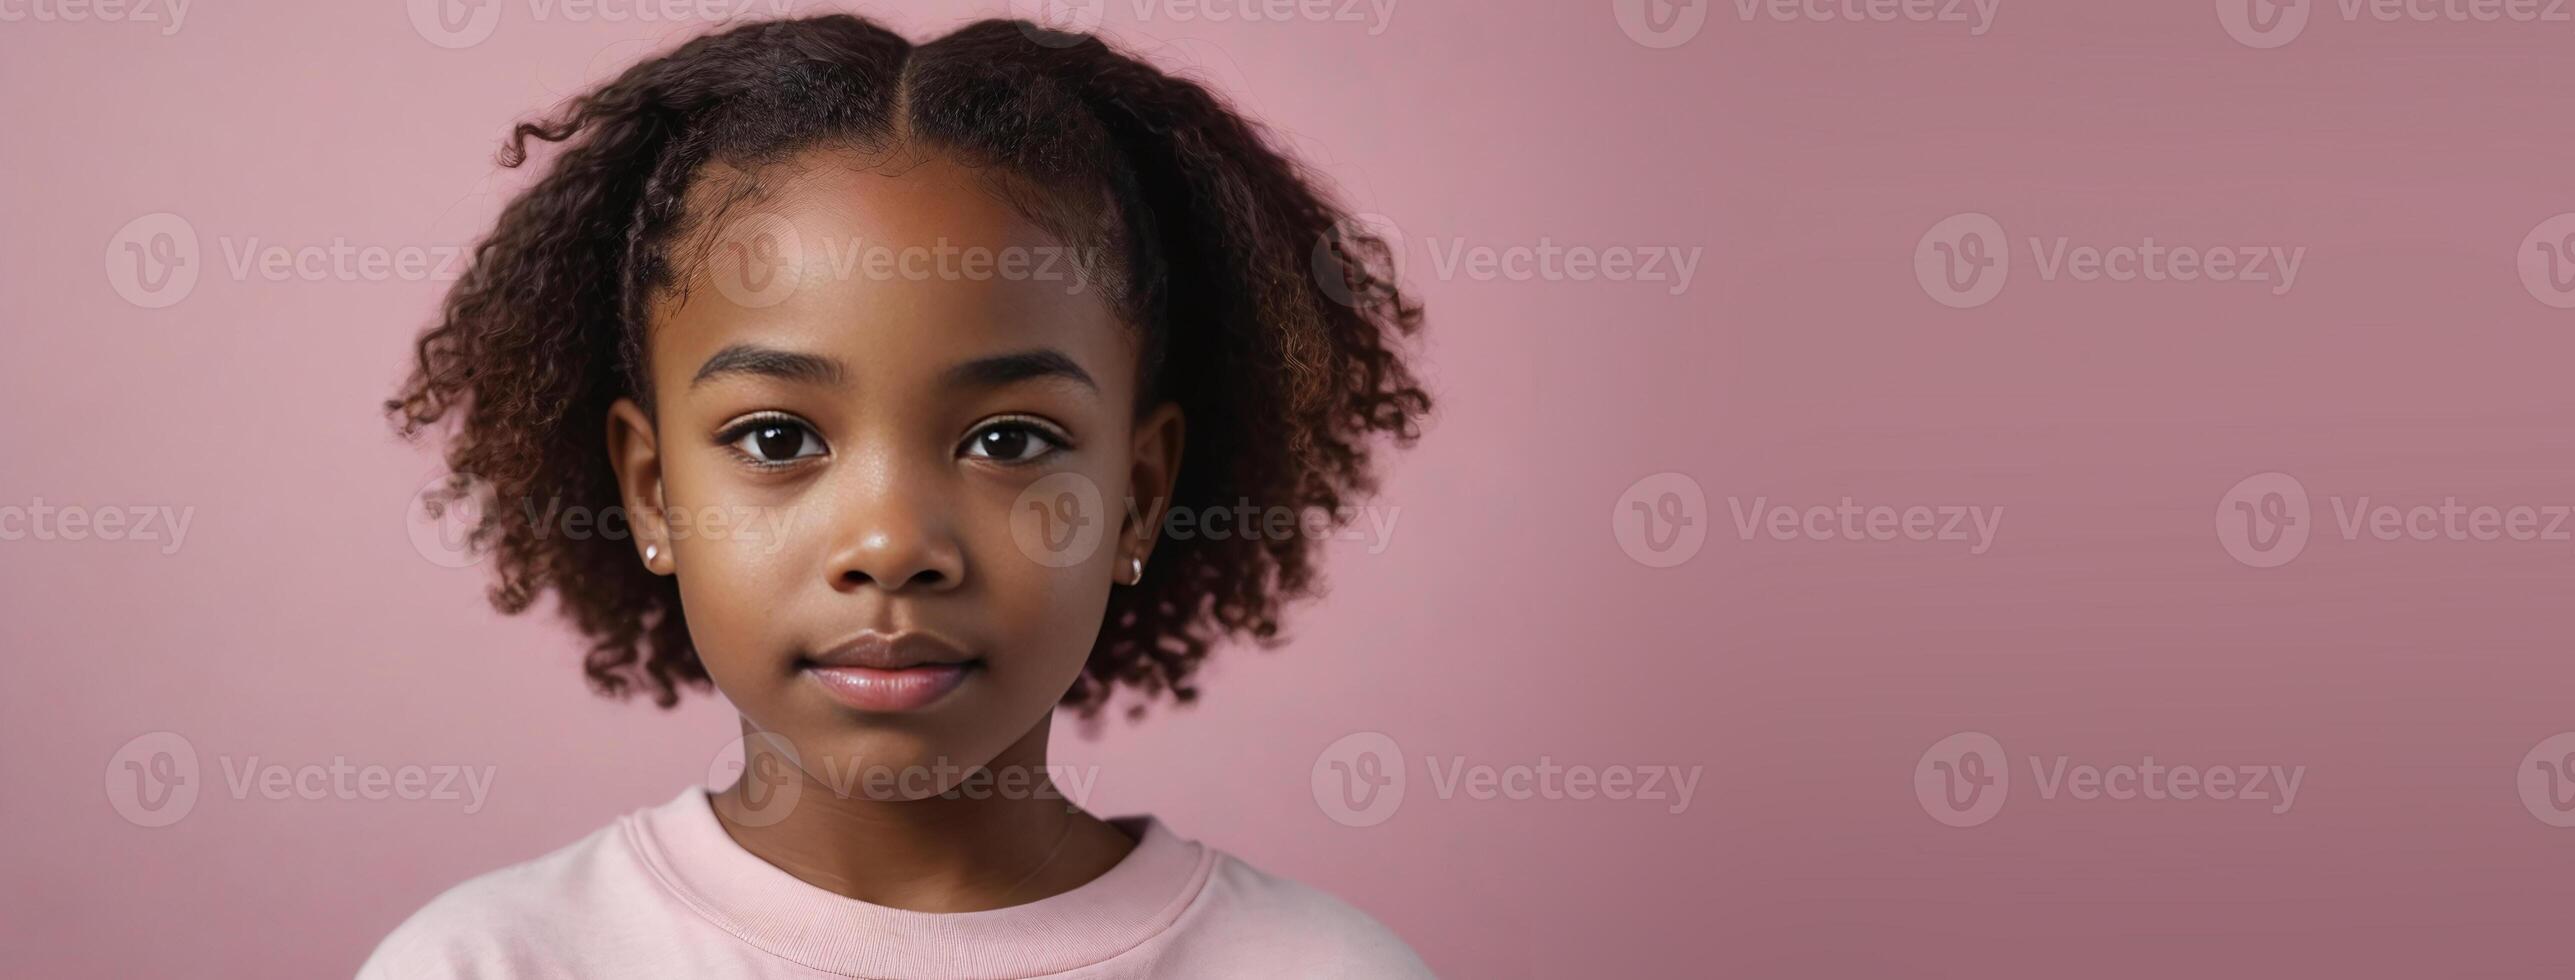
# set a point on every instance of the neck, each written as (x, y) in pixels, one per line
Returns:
(1017, 841)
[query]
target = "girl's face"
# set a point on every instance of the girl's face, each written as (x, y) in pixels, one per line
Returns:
(891, 415)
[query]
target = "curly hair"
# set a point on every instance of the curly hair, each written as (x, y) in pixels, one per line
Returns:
(1269, 315)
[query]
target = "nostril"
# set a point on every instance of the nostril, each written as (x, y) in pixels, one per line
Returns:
(928, 578)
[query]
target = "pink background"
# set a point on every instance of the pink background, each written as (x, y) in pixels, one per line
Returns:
(1504, 622)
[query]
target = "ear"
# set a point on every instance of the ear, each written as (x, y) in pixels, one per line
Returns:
(637, 457)
(1156, 467)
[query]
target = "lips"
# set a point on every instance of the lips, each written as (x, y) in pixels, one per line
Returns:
(898, 672)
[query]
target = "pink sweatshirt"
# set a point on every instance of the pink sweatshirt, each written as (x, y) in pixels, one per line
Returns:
(665, 892)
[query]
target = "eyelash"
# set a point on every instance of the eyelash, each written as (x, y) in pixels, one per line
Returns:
(1055, 438)
(733, 435)
(1039, 428)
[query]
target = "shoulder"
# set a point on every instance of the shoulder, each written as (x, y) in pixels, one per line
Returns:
(1279, 927)
(511, 922)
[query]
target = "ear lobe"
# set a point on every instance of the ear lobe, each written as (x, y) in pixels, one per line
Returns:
(635, 454)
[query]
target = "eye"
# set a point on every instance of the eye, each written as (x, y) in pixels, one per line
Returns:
(1014, 441)
(773, 440)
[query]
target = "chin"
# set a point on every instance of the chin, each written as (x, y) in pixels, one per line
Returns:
(892, 757)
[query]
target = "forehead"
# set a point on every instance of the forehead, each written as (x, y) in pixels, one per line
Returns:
(891, 265)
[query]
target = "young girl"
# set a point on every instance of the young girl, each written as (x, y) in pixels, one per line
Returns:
(897, 358)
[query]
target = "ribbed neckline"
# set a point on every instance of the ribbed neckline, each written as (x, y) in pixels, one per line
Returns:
(686, 847)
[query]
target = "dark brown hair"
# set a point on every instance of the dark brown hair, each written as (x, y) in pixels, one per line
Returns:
(1266, 313)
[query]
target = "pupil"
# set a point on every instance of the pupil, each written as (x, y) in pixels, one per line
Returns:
(1005, 443)
(776, 442)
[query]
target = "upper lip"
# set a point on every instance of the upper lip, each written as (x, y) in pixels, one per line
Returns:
(890, 651)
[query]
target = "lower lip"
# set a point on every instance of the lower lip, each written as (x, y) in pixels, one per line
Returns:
(879, 689)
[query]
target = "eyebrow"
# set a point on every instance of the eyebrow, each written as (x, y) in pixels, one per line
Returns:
(1002, 369)
(986, 372)
(769, 362)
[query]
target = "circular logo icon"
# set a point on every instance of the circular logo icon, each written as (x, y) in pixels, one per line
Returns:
(1359, 260)
(1661, 23)
(1962, 780)
(758, 260)
(2264, 520)
(1661, 520)
(444, 514)
(1359, 779)
(2547, 780)
(152, 780)
(1059, 520)
(1963, 261)
(1058, 23)
(2263, 23)
(771, 774)
(152, 261)
(455, 23)
(2547, 262)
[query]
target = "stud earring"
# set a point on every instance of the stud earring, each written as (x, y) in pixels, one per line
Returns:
(1135, 570)
(652, 551)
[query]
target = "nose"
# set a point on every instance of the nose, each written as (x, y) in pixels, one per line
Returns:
(897, 534)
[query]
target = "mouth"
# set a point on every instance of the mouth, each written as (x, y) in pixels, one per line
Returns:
(884, 672)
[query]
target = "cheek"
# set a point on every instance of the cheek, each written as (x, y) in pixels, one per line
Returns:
(1043, 614)
(736, 557)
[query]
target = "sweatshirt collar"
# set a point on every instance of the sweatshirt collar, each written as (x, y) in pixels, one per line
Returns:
(686, 847)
